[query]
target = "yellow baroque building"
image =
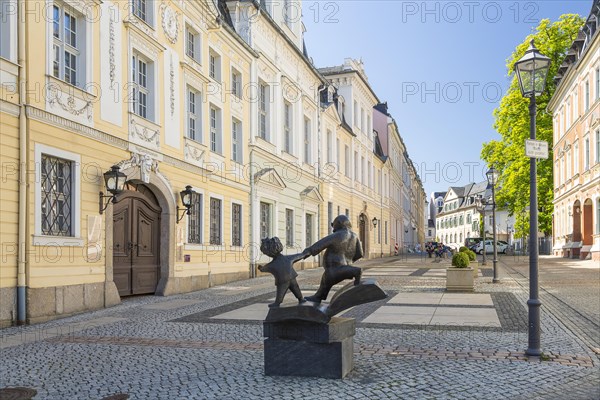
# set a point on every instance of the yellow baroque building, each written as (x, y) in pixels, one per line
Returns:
(147, 146)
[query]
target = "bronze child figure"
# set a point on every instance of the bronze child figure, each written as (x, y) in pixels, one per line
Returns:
(282, 268)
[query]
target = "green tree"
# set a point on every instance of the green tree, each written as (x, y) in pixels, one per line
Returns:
(553, 39)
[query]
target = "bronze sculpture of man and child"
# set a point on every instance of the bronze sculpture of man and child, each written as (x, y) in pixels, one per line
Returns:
(342, 247)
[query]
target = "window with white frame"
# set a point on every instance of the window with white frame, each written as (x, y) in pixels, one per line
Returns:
(216, 143)
(68, 33)
(195, 222)
(363, 165)
(265, 220)
(568, 113)
(576, 158)
(236, 83)
(236, 224)
(194, 115)
(263, 110)
(7, 28)
(142, 74)
(356, 167)
(598, 146)
(362, 120)
(355, 111)
(57, 196)
(598, 83)
(307, 141)
(329, 145)
(192, 44)
(337, 154)
(347, 161)
(57, 188)
(236, 140)
(143, 10)
(370, 181)
(289, 227)
(586, 153)
(287, 127)
(330, 217)
(215, 221)
(309, 229)
(586, 100)
(214, 65)
(288, 13)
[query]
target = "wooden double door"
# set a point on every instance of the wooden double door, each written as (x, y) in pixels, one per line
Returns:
(136, 241)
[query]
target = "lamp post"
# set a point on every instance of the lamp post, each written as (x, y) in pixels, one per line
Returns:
(531, 70)
(492, 177)
(480, 204)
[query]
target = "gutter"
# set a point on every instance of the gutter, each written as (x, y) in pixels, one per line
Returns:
(23, 161)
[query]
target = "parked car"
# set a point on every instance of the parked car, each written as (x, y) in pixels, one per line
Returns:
(489, 247)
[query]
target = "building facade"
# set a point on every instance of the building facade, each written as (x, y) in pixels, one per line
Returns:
(214, 97)
(575, 107)
(459, 218)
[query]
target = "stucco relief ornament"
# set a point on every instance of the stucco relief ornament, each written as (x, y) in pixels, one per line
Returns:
(170, 23)
(146, 164)
(55, 98)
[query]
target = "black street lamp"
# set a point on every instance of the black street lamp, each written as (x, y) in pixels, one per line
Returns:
(532, 70)
(114, 180)
(480, 204)
(492, 177)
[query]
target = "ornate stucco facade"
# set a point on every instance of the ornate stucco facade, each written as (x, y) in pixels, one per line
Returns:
(575, 107)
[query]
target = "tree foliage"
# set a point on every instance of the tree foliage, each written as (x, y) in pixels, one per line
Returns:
(553, 39)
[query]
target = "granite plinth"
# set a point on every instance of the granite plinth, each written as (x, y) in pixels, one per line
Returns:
(301, 348)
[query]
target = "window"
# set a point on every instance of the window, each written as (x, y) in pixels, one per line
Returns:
(236, 83)
(195, 220)
(287, 127)
(355, 111)
(460, 220)
(236, 140)
(263, 110)
(337, 154)
(362, 120)
(307, 141)
(288, 13)
(586, 154)
(289, 227)
(575, 158)
(236, 224)
(347, 160)
(215, 130)
(356, 166)
(142, 79)
(597, 83)
(309, 229)
(586, 100)
(7, 37)
(194, 112)
(347, 212)
(329, 216)
(265, 220)
(57, 196)
(364, 172)
(192, 44)
(215, 222)
(141, 10)
(386, 232)
(329, 146)
(469, 218)
(598, 147)
(69, 39)
(214, 66)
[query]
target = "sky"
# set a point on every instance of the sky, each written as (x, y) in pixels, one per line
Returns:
(440, 65)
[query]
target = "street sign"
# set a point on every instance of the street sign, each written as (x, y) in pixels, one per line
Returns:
(536, 148)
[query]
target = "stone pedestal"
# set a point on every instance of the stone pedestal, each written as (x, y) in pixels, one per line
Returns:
(459, 279)
(301, 348)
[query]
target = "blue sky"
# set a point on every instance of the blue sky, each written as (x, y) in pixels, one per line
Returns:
(440, 65)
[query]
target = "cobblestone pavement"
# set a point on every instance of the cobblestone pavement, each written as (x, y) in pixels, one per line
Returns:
(179, 347)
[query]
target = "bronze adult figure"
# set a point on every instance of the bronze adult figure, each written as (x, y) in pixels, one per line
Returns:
(342, 247)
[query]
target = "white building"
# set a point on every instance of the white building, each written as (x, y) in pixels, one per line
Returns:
(459, 218)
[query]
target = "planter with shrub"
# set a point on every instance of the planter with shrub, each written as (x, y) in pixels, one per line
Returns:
(459, 277)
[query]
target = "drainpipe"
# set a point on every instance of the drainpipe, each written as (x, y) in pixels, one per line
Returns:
(23, 161)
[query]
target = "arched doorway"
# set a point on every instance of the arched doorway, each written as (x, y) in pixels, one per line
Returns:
(588, 228)
(136, 241)
(362, 233)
